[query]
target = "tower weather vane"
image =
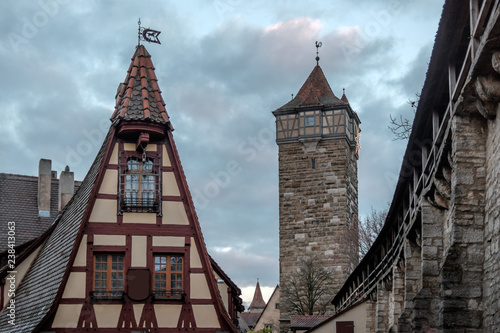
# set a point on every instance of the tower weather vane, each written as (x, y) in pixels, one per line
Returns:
(147, 34)
(318, 45)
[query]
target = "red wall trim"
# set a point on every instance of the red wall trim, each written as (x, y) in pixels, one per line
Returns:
(78, 269)
(106, 196)
(101, 228)
(171, 198)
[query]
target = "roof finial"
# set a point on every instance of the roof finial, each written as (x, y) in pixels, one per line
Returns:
(139, 33)
(343, 91)
(318, 45)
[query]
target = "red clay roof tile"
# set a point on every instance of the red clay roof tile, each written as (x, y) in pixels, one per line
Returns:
(141, 100)
(314, 92)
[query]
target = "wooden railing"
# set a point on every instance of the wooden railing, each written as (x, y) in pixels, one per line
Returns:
(360, 286)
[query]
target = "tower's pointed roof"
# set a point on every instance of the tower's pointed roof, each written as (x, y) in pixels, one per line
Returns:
(314, 92)
(139, 97)
(257, 301)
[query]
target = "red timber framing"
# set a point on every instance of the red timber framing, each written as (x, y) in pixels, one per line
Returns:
(148, 317)
(103, 227)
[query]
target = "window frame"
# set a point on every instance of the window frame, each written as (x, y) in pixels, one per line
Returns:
(109, 292)
(309, 120)
(167, 292)
(141, 205)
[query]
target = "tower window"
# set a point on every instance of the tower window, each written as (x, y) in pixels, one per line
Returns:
(313, 163)
(310, 121)
(139, 185)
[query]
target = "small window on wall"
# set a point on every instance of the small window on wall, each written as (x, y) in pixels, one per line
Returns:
(108, 275)
(139, 179)
(167, 279)
(310, 121)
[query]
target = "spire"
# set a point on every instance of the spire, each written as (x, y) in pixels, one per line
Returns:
(344, 97)
(258, 303)
(139, 97)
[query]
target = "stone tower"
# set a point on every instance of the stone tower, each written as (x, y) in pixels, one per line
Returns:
(317, 135)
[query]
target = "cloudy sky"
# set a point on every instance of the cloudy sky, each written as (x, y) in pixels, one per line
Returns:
(223, 67)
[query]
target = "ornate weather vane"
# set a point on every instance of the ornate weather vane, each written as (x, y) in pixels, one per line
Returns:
(147, 34)
(318, 45)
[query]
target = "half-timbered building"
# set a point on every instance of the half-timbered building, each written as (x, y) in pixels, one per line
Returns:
(126, 254)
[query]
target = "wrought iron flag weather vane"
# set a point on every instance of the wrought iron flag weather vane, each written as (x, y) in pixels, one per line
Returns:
(318, 45)
(147, 34)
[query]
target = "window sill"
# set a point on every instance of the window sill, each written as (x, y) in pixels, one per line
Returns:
(99, 297)
(139, 208)
(168, 297)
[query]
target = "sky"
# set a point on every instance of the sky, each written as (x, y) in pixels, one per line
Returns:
(223, 66)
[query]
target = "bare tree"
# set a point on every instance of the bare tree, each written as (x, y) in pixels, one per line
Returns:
(401, 128)
(369, 229)
(309, 291)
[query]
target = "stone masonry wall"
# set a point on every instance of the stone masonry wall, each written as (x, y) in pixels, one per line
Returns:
(427, 301)
(491, 285)
(462, 273)
(318, 208)
(412, 283)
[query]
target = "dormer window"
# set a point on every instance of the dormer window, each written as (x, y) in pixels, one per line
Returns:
(139, 184)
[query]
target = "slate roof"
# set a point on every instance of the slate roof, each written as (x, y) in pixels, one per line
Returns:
(315, 92)
(250, 318)
(37, 292)
(140, 96)
(305, 322)
(19, 203)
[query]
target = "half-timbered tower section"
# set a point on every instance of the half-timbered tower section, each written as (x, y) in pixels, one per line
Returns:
(317, 135)
(436, 263)
(127, 253)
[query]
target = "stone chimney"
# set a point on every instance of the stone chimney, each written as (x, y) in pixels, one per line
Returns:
(66, 187)
(44, 185)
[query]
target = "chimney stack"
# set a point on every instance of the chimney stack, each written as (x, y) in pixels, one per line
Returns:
(66, 187)
(44, 185)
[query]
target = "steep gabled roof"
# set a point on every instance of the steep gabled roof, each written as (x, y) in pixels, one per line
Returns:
(139, 97)
(314, 92)
(41, 285)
